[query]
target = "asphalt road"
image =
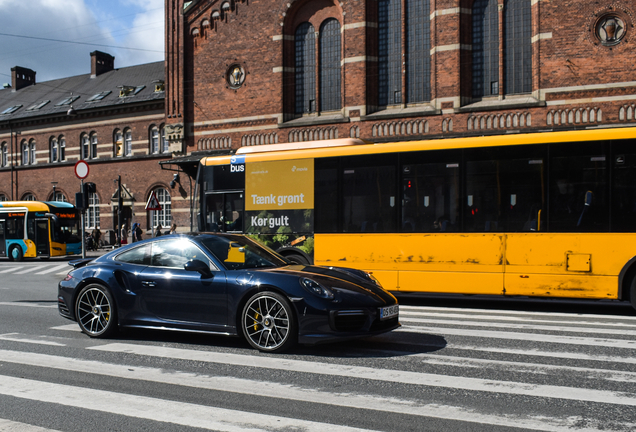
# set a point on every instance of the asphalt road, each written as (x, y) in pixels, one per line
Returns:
(457, 364)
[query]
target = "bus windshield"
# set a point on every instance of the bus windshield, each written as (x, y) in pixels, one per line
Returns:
(66, 230)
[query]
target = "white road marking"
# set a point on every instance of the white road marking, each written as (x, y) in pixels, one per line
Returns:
(291, 392)
(10, 269)
(17, 337)
(31, 269)
(11, 426)
(67, 327)
(57, 267)
(428, 315)
(560, 328)
(168, 411)
(404, 377)
(23, 304)
(532, 337)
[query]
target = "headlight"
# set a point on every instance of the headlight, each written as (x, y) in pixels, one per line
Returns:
(315, 288)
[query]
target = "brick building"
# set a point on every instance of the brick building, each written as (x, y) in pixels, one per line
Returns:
(111, 118)
(275, 71)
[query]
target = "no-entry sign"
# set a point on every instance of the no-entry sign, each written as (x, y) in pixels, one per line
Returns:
(81, 169)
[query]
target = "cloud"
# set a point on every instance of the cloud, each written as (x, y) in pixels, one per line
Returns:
(86, 21)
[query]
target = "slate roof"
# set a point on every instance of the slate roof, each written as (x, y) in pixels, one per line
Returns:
(84, 87)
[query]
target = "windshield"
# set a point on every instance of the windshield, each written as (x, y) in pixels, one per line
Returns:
(239, 253)
(65, 230)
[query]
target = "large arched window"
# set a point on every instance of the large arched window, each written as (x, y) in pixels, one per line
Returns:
(58, 196)
(517, 48)
(3, 197)
(25, 152)
(28, 197)
(93, 139)
(165, 144)
(330, 65)
(118, 143)
(155, 146)
(305, 55)
(163, 216)
(415, 29)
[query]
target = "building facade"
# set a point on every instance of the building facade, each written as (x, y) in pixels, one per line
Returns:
(114, 119)
(243, 73)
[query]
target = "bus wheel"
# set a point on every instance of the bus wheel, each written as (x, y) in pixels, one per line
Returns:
(15, 253)
(297, 259)
(95, 311)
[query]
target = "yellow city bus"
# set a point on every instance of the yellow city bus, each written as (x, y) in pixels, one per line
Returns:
(31, 229)
(549, 214)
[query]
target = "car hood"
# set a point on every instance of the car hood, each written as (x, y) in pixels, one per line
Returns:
(346, 281)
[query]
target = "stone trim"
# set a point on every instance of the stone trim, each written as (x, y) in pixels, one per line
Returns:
(541, 36)
(453, 47)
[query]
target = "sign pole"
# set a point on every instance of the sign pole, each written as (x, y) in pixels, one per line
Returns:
(81, 172)
(82, 222)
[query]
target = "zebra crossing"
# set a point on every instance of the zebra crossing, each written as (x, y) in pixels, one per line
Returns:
(445, 369)
(35, 268)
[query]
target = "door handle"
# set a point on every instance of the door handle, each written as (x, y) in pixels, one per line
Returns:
(148, 283)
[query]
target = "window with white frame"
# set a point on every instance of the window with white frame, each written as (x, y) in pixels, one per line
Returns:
(127, 142)
(25, 152)
(4, 153)
(118, 140)
(32, 151)
(163, 216)
(54, 149)
(58, 196)
(91, 219)
(93, 151)
(28, 197)
(154, 140)
(3, 197)
(164, 140)
(62, 141)
(85, 147)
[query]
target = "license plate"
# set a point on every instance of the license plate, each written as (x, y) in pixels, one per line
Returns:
(389, 312)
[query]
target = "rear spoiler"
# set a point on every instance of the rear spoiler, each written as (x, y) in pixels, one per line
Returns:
(77, 263)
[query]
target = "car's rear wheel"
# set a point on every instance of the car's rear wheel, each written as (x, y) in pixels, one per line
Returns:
(268, 322)
(95, 311)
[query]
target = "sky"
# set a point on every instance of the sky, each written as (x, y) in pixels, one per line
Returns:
(37, 34)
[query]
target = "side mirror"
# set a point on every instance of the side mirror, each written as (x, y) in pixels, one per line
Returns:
(198, 266)
(588, 198)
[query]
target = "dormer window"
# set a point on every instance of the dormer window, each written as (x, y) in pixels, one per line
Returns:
(69, 100)
(160, 85)
(126, 91)
(37, 105)
(11, 110)
(98, 96)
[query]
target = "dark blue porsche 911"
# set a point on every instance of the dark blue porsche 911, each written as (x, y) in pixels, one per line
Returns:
(223, 284)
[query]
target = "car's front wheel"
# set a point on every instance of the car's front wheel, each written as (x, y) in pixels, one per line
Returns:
(95, 311)
(268, 322)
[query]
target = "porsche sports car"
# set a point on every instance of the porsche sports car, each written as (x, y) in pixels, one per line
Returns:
(223, 284)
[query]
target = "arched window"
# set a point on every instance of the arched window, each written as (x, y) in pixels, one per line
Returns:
(4, 152)
(54, 148)
(58, 196)
(415, 30)
(93, 151)
(305, 55)
(155, 146)
(25, 152)
(32, 152)
(163, 216)
(330, 65)
(3, 197)
(28, 197)
(164, 140)
(91, 219)
(118, 142)
(517, 48)
(485, 48)
(127, 142)
(62, 142)
(85, 147)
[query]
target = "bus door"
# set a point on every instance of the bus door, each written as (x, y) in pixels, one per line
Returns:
(42, 245)
(224, 212)
(3, 245)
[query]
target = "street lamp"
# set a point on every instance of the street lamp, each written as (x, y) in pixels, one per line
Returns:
(54, 183)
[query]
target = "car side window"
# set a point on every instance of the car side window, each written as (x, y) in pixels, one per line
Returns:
(175, 253)
(139, 255)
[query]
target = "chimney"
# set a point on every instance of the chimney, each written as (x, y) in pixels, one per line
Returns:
(21, 77)
(101, 63)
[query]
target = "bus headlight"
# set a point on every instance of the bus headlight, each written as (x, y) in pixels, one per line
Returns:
(315, 288)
